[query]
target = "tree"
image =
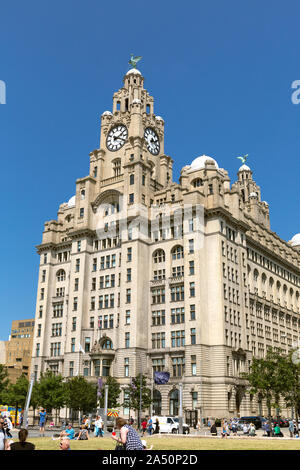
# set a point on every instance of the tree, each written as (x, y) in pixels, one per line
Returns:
(4, 382)
(263, 379)
(49, 392)
(114, 391)
(288, 370)
(81, 395)
(139, 395)
(16, 394)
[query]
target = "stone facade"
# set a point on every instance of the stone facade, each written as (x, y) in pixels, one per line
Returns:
(140, 273)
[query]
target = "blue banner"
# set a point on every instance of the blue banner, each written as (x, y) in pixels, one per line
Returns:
(161, 378)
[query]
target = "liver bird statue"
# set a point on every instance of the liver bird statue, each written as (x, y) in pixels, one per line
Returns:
(134, 60)
(243, 159)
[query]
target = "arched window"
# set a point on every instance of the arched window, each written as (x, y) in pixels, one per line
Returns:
(61, 275)
(177, 252)
(197, 182)
(159, 256)
(255, 275)
(117, 166)
(107, 344)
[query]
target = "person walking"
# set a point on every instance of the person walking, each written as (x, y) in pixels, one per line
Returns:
(22, 444)
(156, 428)
(43, 416)
(144, 426)
(149, 426)
(129, 437)
(99, 427)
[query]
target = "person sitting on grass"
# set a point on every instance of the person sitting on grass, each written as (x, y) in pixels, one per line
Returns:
(83, 434)
(213, 430)
(64, 444)
(22, 444)
(69, 432)
(277, 431)
(252, 430)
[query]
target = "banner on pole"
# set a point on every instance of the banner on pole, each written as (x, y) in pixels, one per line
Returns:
(161, 378)
(114, 413)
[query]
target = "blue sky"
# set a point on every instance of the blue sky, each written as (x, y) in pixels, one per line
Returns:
(220, 73)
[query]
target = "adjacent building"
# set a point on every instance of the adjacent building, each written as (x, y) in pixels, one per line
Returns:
(16, 353)
(141, 274)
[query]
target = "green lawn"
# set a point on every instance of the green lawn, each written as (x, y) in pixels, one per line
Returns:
(175, 443)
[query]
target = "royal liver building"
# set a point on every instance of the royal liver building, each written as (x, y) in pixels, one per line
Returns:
(141, 274)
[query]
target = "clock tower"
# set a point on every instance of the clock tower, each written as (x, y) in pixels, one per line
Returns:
(132, 143)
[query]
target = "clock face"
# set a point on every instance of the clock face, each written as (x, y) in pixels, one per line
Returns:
(152, 140)
(116, 137)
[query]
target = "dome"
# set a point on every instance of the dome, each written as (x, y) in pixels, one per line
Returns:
(199, 163)
(107, 113)
(244, 168)
(295, 241)
(159, 118)
(253, 195)
(135, 71)
(71, 201)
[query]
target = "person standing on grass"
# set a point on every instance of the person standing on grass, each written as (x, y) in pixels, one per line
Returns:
(42, 422)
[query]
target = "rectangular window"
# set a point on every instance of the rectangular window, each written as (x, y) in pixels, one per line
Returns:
(77, 266)
(177, 338)
(79, 246)
(75, 303)
(128, 296)
(81, 213)
(191, 246)
(193, 312)
(126, 366)
(192, 268)
(127, 317)
(131, 198)
(76, 284)
(178, 365)
(127, 340)
(193, 335)
(37, 350)
(129, 254)
(72, 344)
(71, 368)
(193, 365)
(87, 344)
(177, 315)
(192, 289)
